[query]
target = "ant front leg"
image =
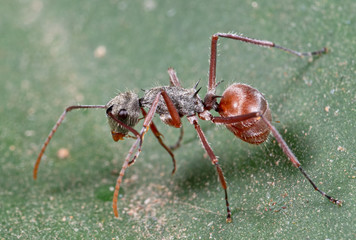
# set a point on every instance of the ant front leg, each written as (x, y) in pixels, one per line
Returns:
(194, 121)
(138, 143)
(210, 98)
(280, 140)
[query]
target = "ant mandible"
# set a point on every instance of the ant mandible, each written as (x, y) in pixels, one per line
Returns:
(243, 110)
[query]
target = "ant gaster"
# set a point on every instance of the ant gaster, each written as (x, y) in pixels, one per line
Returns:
(242, 108)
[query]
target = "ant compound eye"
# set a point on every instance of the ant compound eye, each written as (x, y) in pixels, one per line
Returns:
(123, 114)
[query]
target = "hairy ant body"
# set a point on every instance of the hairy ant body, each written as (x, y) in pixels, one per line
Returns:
(242, 108)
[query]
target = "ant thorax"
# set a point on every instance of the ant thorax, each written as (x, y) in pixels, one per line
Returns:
(186, 101)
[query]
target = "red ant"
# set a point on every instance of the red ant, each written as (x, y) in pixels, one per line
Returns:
(243, 109)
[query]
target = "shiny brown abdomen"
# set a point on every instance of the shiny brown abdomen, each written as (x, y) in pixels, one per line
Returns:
(239, 99)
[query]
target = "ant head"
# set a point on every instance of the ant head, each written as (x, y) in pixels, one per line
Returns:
(122, 111)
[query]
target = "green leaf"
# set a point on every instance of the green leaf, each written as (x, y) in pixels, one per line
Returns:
(59, 53)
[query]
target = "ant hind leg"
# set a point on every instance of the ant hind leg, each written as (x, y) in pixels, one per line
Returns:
(280, 140)
(295, 161)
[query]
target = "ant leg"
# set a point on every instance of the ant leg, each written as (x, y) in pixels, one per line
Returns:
(280, 140)
(54, 129)
(138, 143)
(173, 112)
(121, 175)
(177, 145)
(194, 121)
(158, 136)
(174, 121)
(209, 100)
(173, 79)
(294, 159)
(175, 118)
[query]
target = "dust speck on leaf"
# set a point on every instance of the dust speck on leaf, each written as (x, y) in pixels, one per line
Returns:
(341, 149)
(63, 153)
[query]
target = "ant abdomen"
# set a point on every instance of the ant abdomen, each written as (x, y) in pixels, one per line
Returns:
(240, 99)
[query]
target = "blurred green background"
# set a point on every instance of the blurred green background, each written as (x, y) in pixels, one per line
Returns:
(58, 53)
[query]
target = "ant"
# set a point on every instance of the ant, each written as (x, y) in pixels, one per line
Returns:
(242, 108)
